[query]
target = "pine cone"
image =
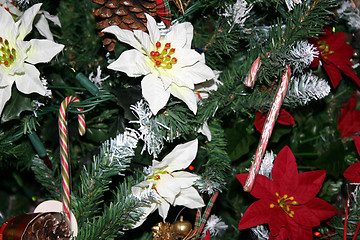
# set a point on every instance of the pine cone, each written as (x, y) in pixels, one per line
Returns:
(127, 14)
(47, 227)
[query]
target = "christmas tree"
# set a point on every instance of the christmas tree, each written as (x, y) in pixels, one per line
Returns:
(202, 119)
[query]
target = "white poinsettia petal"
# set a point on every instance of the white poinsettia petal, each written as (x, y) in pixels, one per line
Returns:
(155, 164)
(42, 26)
(205, 130)
(189, 34)
(7, 26)
(30, 81)
(186, 57)
(12, 8)
(144, 40)
(146, 211)
(186, 95)
(27, 19)
(180, 36)
(154, 93)
(185, 179)
(207, 86)
(180, 157)
(42, 50)
(5, 79)
(166, 80)
(17, 67)
(152, 29)
(163, 209)
(138, 188)
(124, 35)
(198, 73)
(130, 62)
(52, 18)
(5, 94)
(189, 198)
(167, 187)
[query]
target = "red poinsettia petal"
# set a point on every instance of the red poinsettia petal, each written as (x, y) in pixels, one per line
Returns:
(357, 143)
(284, 118)
(283, 235)
(352, 173)
(304, 216)
(298, 232)
(322, 209)
(260, 121)
(278, 220)
(342, 55)
(348, 71)
(333, 73)
(263, 188)
(309, 185)
(349, 122)
(285, 172)
(336, 41)
(258, 213)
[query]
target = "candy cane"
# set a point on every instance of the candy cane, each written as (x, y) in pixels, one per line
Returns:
(65, 176)
(251, 76)
(267, 130)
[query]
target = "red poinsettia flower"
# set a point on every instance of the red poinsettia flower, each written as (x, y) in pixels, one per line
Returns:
(352, 173)
(284, 118)
(287, 203)
(349, 122)
(335, 56)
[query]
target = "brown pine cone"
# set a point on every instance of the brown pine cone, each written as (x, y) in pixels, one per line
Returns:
(127, 14)
(48, 227)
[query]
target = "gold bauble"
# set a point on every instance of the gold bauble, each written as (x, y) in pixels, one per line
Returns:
(181, 227)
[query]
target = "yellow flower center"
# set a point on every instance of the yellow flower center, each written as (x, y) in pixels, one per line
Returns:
(162, 57)
(8, 55)
(284, 203)
(325, 50)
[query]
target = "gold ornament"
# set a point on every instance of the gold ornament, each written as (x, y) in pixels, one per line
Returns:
(181, 227)
(162, 231)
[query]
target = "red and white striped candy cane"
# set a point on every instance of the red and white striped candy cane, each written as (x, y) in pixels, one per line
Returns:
(64, 153)
(267, 130)
(251, 76)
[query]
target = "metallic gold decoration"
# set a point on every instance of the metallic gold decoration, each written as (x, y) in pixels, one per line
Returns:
(162, 231)
(181, 227)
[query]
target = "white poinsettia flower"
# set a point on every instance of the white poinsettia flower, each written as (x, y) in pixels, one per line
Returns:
(169, 64)
(40, 20)
(17, 57)
(171, 186)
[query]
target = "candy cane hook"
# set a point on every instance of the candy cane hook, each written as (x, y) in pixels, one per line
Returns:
(64, 152)
(267, 130)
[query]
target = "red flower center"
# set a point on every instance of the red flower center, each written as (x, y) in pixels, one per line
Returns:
(8, 56)
(162, 58)
(325, 49)
(284, 203)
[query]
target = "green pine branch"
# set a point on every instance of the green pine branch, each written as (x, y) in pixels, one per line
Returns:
(48, 178)
(117, 216)
(113, 159)
(217, 168)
